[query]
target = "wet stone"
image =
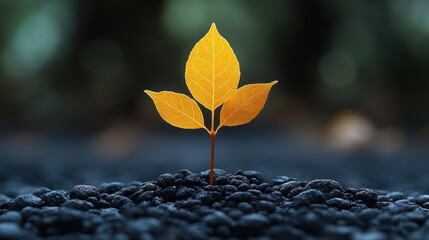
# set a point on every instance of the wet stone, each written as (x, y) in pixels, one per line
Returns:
(266, 206)
(146, 196)
(184, 193)
(111, 187)
(253, 221)
(324, 185)
(287, 187)
(253, 174)
(217, 219)
(311, 196)
(78, 205)
(245, 207)
(129, 191)
(121, 202)
(420, 200)
(395, 196)
(295, 192)
(83, 192)
(241, 197)
(27, 200)
(339, 203)
(166, 179)
(367, 196)
(282, 179)
(55, 198)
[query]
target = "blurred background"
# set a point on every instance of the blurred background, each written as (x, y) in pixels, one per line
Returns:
(351, 104)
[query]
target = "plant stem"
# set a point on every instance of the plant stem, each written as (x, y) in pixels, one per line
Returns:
(212, 136)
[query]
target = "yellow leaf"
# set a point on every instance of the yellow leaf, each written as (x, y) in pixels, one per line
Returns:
(212, 71)
(245, 104)
(177, 109)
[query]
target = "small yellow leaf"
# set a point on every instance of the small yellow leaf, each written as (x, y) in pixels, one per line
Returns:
(177, 109)
(212, 71)
(245, 104)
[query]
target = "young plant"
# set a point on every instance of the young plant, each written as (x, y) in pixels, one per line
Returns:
(212, 75)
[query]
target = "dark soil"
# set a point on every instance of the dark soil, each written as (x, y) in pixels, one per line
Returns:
(242, 205)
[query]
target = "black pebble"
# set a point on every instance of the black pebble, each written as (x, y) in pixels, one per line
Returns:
(324, 185)
(367, 196)
(165, 180)
(84, 191)
(55, 198)
(111, 187)
(241, 197)
(27, 200)
(254, 222)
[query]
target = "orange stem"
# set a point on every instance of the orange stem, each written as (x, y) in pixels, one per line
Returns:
(212, 136)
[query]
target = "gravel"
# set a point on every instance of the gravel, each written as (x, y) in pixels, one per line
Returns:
(242, 205)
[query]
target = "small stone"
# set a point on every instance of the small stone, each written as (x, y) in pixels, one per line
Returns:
(235, 214)
(395, 196)
(230, 188)
(339, 203)
(83, 192)
(148, 186)
(241, 197)
(310, 222)
(417, 216)
(111, 187)
(121, 202)
(78, 205)
(218, 218)
(244, 187)
(11, 216)
(266, 206)
(168, 193)
(311, 196)
(367, 196)
(165, 180)
(55, 198)
(216, 173)
(221, 180)
(295, 192)
(129, 191)
(286, 232)
(254, 192)
(278, 180)
(146, 196)
(253, 174)
(369, 214)
(288, 186)
(245, 207)
(253, 222)
(324, 185)
(185, 192)
(27, 200)
(263, 186)
(182, 173)
(420, 200)
(136, 227)
(38, 192)
(334, 194)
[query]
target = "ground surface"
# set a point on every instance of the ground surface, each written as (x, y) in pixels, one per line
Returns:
(373, 196)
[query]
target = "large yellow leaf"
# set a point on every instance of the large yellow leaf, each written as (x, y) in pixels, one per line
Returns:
(212, 71)
(177, 109)
(245, 104)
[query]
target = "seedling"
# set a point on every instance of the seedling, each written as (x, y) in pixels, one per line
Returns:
(212, 75)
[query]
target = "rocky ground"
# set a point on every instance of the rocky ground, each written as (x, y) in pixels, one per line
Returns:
(75, 188)
(241, 205)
